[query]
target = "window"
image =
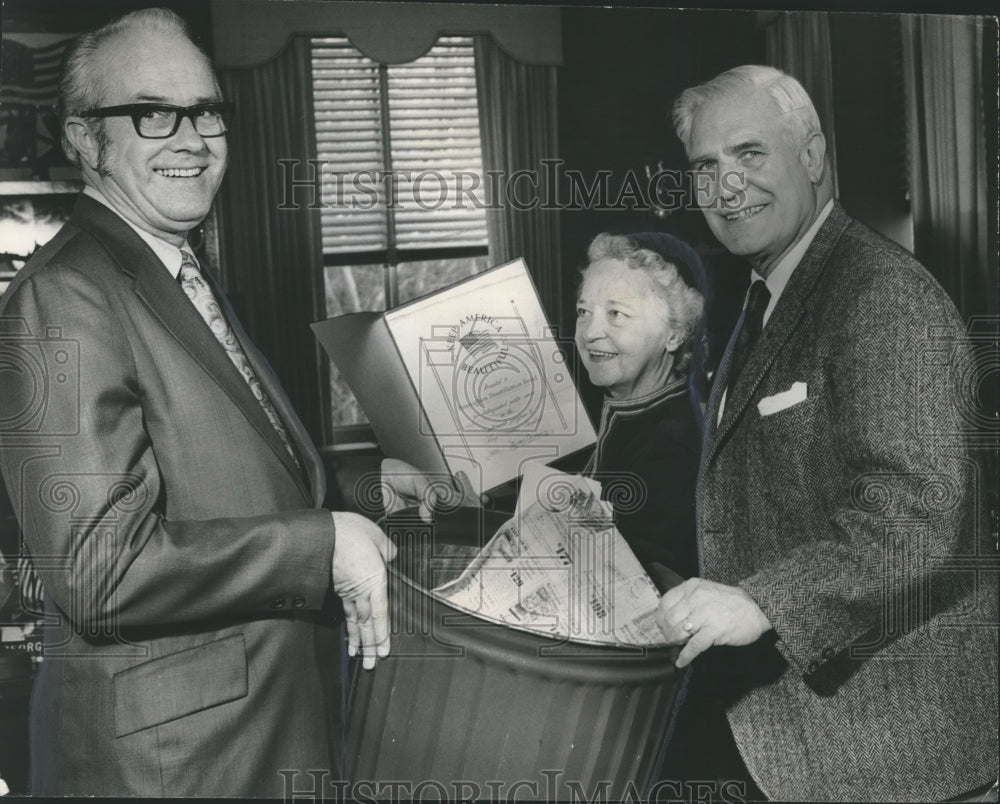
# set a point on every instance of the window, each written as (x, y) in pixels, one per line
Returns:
(403, 210)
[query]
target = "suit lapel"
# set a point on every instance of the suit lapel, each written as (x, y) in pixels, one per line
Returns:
(311, 464)
(166, 300)
(785, 319)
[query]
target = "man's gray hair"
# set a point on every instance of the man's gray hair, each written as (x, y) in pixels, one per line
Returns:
(684, 303)
(80, 89)
(798, 113)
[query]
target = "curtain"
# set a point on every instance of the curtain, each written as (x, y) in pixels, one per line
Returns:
(518, 120)
(272, 257)
(942, 58)
(247, 32)
(799, 44)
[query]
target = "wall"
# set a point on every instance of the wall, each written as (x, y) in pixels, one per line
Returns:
(621, 71)
(56, 16)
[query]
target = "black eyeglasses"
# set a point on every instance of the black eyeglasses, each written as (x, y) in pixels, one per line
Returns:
(157, 121)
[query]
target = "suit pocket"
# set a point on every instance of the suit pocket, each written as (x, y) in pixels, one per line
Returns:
(790, 419)
(784, 442)
(180, 684)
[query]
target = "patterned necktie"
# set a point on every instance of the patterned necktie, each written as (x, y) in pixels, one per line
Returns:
(753, 322)
(205, 303)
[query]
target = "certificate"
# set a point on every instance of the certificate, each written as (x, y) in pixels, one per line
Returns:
(470, 378)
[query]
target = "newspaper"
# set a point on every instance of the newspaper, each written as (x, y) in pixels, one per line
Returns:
(559, 567)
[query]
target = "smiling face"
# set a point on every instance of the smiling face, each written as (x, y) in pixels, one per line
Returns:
(163, 186)
(762, 216)
(621, 330)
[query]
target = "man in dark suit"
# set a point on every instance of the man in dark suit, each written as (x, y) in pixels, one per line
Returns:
(843, 565)
(168, 493)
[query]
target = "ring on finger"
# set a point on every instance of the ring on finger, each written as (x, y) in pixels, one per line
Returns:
(688, 626)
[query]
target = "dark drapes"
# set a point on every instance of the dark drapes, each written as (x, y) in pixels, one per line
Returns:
(799, 44)
(943, 58)
(272, 256)
(517, 117)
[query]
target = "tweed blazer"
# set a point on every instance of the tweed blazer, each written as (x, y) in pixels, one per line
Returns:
(851, 518)
(189, 646)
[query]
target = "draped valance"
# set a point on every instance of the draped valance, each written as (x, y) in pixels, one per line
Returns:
(251, 32)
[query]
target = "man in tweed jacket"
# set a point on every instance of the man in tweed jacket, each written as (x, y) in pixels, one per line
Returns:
(846, 565)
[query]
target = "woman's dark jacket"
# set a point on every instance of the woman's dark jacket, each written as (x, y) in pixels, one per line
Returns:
(646, 460)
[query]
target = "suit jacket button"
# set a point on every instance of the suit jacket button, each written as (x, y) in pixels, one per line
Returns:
(813, 668)
(278, 603)
(299, 602)
(828, 653)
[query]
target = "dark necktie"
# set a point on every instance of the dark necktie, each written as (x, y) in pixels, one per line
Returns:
(753, 322)
(200, 294)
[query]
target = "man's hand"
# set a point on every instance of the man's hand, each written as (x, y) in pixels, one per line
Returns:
(408, 487)
(359, 578)
(704, 613)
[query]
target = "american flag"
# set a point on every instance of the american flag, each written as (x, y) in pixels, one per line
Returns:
(30, 74)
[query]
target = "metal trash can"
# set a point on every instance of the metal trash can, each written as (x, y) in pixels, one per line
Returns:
(468, 709)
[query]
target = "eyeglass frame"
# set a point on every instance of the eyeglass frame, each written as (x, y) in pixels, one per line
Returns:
(225, 110)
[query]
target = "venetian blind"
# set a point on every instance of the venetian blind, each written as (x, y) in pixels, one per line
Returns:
(418, 124)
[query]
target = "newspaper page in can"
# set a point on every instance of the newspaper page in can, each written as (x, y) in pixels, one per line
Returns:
(559, 567)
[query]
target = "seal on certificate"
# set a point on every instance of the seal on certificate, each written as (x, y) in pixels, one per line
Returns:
(477, 345)
(497, 379)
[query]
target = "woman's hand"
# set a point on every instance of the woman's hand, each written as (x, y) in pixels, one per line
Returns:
(404, 486)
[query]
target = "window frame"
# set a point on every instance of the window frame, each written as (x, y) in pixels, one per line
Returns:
(350, 438)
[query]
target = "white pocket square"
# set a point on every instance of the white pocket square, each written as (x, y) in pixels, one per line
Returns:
(770, 405)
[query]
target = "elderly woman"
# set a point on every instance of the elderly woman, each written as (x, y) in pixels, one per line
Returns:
(637, 310)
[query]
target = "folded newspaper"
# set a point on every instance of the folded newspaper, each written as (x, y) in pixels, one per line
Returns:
(559, 567)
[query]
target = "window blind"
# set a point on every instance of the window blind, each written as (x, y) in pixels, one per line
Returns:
(418, 123)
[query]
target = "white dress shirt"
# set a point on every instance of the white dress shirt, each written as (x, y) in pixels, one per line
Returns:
(168, 253)
(779, 276)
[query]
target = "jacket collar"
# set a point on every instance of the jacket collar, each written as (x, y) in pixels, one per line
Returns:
(615, 410)
(785, 318)
(165, 298)
(668, 391)
(170, 255)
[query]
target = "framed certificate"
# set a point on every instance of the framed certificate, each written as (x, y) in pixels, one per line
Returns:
(469, 378)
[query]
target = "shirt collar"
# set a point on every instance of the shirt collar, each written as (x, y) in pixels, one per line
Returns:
(168, 253)
(778, 278)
